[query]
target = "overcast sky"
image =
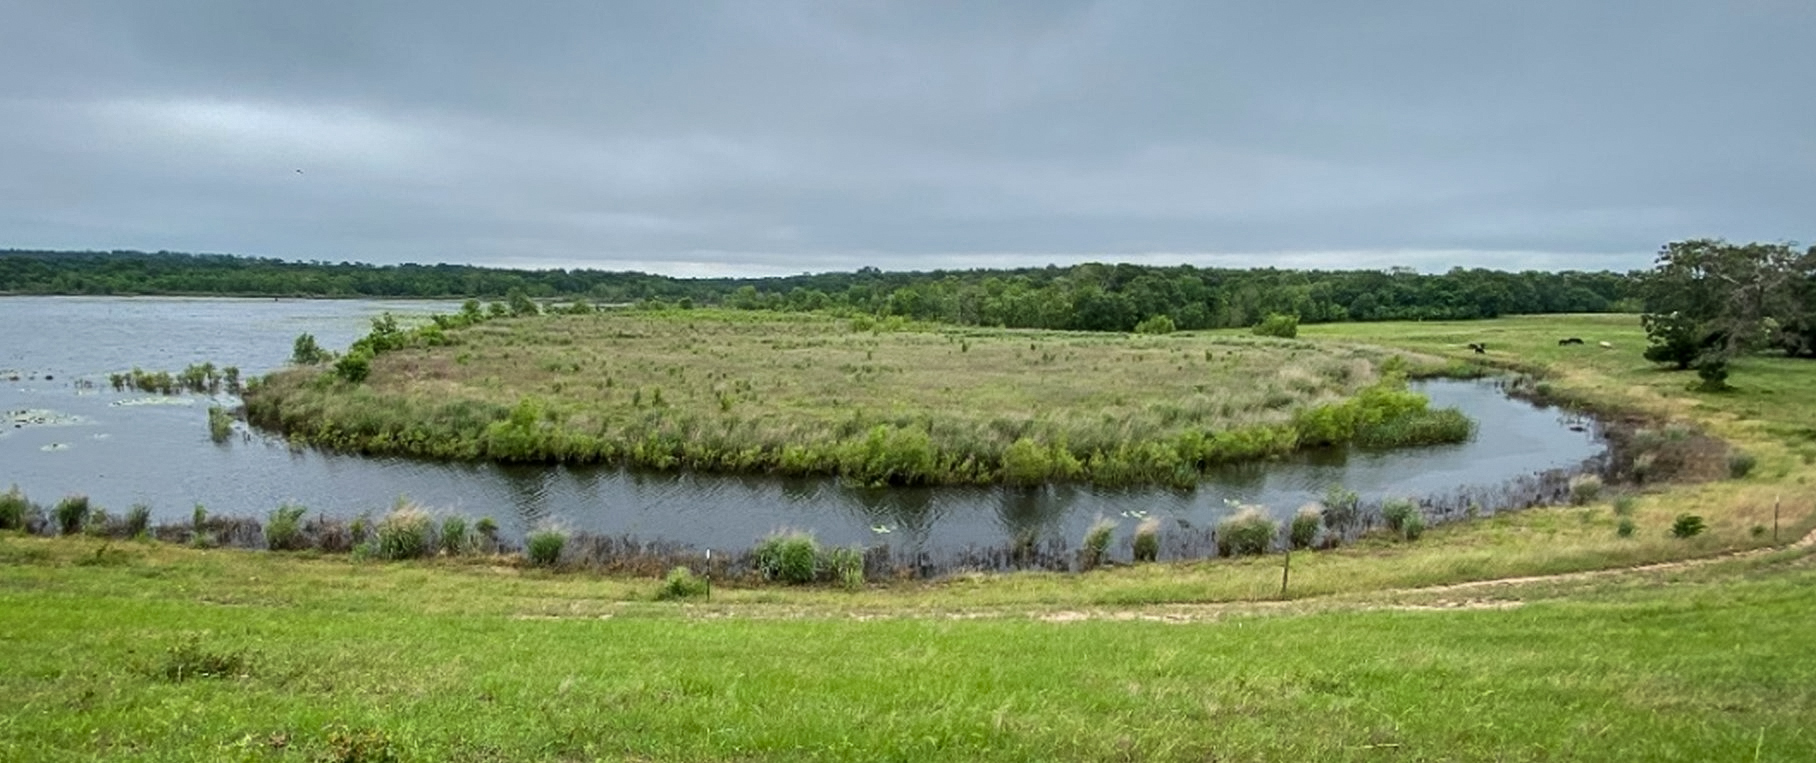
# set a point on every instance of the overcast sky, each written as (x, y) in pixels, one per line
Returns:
(750, 137)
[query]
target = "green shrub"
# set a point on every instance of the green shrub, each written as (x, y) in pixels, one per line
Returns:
(1342, 509)
(1688, 526)
(355, 366)
(71, 514)
(789, 556)
(13, 509)
(682, 583)
(305, 352)
(403, 533)
(138, 520)
(284, 528)
(454, 540)
(1624, 505)
(1624, 528)
(1159, 324)
(1414, 527)
(1096, 546)
(220, 424)
(543, 547)
(1397, 512)
(1247, 532)
(1147, 540)
(1740, 464)
(98, 523)
(847, 566)
(1304, 530)
(487, 530)
(1585, 489)
(1278, 325)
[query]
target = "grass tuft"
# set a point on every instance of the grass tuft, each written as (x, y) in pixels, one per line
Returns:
(403, 533)
(284, 528)
(71, 514)
(188, 660)
(789, 556)
(1147, 540)
(543, 547)
(1304, 530)
(1096, 546)
(1248, 532)
(682, 583)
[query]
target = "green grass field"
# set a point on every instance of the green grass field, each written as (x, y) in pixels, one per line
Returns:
(1371, 658)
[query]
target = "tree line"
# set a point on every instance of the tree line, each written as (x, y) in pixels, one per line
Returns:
(1090, 296)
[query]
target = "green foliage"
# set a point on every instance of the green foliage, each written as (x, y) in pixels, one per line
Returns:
(788, 556)
(1712, 369)
(543, 547)
(1303, 532)
(284, 528)
(846, 564)
(1162, 324)
(355, 366)
(487, 530)
(1397, 513)
(1688, 526)
(890, 455)
(1147, 540)
(682, 583)
(1278, 325)
(138, 521)
(1248, 532)
(520, 304)
(1624, 528)
(1413, 528)
(403, 534)
(1585, 489)
(220, 424)
(305, 352)
(1740, 464)
(349, 745)
(1096, 545)
(453, 536)
(1624, 505)
(71, 514)
(1342, 509)
(13, 509)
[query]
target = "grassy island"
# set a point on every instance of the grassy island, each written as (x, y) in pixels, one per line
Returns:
(876, 402)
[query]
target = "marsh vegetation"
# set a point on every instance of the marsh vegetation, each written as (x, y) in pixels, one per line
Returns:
(893, 403)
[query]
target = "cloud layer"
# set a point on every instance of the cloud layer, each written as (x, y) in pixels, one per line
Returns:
(748, 138)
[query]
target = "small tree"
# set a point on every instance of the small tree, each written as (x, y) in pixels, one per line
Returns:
(305, 352)
(1278, 325)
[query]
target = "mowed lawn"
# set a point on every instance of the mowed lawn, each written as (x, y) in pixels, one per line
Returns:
(346, 661)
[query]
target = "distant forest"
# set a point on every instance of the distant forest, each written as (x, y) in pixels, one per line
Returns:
(1090, 296)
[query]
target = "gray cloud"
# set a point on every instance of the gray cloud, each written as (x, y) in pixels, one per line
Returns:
(739, 137)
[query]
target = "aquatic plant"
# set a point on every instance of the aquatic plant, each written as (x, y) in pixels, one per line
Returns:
(1147, 540)
(543, 546)
(284, 528)
(846, 565)
(220, 423)
(487, 531)
(403, 533)
(138, 521)
(13, 508)
(1248, 532)
(1397, 512)
(790, 556)
(1095, 549)
(1342, 509)
(454, 538)
(682, 583)
(71, 514)
(1303, 531)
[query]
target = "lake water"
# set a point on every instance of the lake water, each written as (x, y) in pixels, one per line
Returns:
(127, 448)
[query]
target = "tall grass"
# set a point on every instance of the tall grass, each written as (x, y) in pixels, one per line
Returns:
(1096, 545)
(543, 546)
(284, 528)
(1147, 540)
(682, 583)
(1248, 532)
(138, 521)
(71, 514)
(454, 537)
(13, 509)
(404, 533)
(1304, 529)
(788, 556)
(1585, 489)
(846, 565)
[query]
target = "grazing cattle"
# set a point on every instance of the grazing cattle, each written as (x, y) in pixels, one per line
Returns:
(1571, 340)
(1606, 345)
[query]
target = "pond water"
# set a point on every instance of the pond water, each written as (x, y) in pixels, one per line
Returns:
(67, 431)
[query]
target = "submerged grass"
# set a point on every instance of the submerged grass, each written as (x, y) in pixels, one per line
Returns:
(804, 394)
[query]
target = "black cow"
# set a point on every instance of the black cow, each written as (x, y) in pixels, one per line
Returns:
(1571, 340)
(1478, 347)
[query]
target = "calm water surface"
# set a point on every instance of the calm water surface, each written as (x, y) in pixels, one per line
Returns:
(127, 448)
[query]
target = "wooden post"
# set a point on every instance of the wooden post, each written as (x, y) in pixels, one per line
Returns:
(1285, 570)
(1775, 501)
